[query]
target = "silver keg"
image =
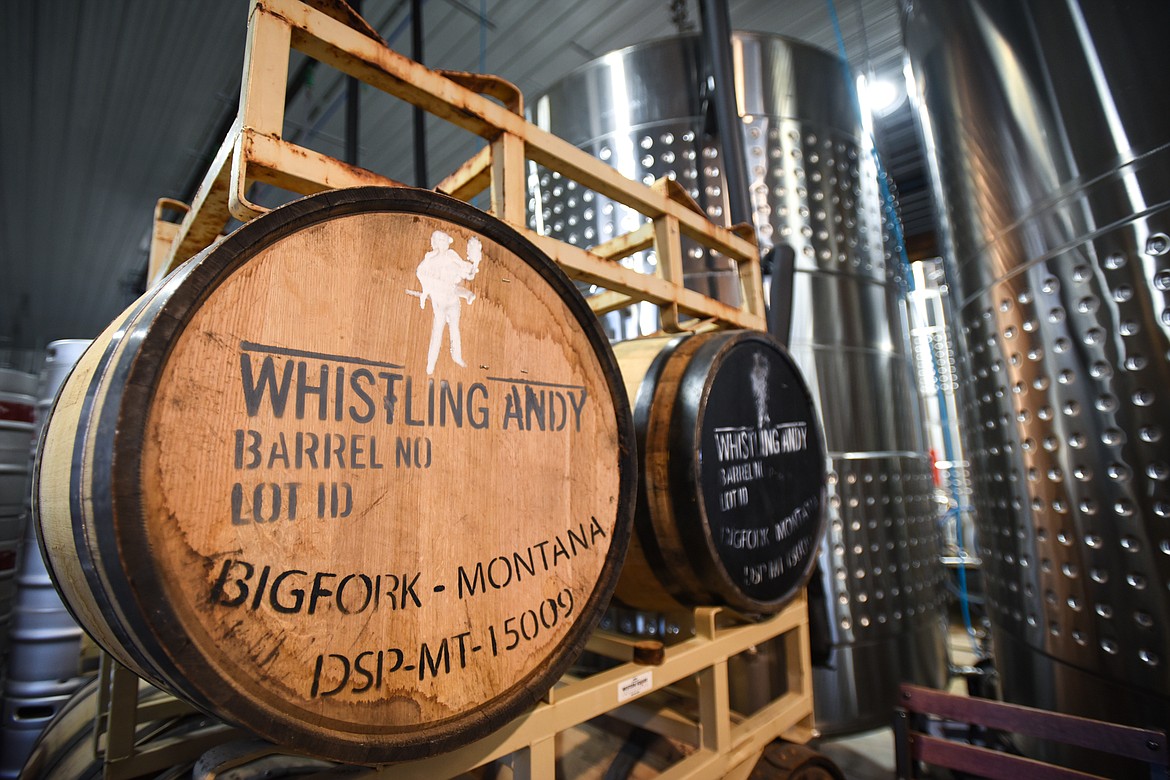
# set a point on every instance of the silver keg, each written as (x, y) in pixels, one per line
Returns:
(1048, 132)
(43, 665)
(27, 708)
(814, 188)
(17, 404)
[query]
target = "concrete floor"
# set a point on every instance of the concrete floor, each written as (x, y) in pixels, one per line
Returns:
(870, 754)
(865, 756)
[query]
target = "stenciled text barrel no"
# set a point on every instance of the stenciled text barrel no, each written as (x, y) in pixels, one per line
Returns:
(359, 478)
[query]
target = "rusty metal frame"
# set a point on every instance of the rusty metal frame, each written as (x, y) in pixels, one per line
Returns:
(255, 151)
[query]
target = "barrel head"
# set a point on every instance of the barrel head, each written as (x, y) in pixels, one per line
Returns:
(368, 476)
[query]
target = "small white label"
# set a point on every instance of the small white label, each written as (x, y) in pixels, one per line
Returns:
(635, 686)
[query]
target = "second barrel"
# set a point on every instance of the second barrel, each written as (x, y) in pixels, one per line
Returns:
(730, 510)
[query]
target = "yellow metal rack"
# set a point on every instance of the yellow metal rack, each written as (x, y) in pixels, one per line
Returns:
(255, 151)
(725, 743)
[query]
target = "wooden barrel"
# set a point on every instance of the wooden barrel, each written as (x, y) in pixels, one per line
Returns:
(359, 478)
(732, 484)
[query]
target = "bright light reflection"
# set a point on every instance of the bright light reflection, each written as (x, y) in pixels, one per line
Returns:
(882, 95)
(621, 109)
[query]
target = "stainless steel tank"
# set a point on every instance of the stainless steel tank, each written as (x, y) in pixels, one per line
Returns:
(813, 188)
(640, 111)
(1049, 131)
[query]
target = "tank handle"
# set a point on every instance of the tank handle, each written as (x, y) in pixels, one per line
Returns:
(782, 260)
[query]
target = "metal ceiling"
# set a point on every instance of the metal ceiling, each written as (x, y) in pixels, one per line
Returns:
(108, 106)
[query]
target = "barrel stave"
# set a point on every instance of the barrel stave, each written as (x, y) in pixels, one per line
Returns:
(710, 510)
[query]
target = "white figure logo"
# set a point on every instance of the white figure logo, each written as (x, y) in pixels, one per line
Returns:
(759, 384)
(440, 274)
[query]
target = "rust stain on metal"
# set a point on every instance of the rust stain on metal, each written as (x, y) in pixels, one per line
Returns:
(487, 106)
